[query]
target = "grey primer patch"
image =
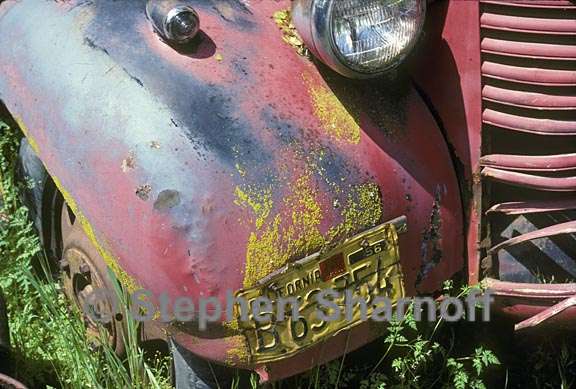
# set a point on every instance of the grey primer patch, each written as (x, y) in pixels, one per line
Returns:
(167, 199)
(430, 251)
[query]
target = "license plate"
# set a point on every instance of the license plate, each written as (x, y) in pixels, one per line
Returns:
(367, 264)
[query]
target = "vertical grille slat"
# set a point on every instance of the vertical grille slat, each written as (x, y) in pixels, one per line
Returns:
(528, 50)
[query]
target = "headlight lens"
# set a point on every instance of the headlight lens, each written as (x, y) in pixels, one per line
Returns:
(360, 37)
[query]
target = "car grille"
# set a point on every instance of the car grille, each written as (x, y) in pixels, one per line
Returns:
(529, 139)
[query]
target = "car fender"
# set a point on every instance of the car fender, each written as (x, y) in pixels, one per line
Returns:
(201, 171)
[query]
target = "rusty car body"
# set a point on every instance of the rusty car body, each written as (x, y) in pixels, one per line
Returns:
(201, 170)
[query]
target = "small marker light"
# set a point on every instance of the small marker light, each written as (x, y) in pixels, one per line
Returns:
(175, 21)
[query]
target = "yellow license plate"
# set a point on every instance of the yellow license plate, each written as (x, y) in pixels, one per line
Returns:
(368, 265)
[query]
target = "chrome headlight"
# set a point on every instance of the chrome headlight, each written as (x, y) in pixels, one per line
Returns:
(359, 38)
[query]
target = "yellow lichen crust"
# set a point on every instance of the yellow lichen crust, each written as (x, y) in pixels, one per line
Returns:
(26, 133)
(292, 232)
(238, 350)
(363, 210)
(295, 231)
(259, 201)
(333, 115)
(290, 35)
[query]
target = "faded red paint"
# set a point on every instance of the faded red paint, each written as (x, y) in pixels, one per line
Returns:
(245, 87)
(450, 77)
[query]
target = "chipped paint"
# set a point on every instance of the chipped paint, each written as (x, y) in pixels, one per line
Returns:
(336, 120)
(129, 162)
(126, 280)
(430, 250)
(143, 191)
(240, 169)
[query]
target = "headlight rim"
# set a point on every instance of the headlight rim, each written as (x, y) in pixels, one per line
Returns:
(321, 41)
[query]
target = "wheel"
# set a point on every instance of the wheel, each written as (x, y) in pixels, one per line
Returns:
(83, 273)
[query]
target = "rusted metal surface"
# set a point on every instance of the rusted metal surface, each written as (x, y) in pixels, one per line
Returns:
(207, 169)
(549, 163)
(528, 207)
(554, 184)
(453, 52)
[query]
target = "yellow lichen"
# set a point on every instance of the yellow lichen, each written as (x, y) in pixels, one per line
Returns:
(333, 115)
(362, 211)
(264, 253)
(304, 232)
(237, 350)
(293, 232)
(24, 130)
(259, 201)
(283, 20)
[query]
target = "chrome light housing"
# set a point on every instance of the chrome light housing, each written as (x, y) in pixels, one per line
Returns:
(360, 38)
(174, 20)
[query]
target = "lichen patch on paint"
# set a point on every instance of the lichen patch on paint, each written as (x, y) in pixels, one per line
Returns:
(293, 231)
(333, 115)
(237, 351)
(363, 210)
(259, 201)
(290, 35)
(31, 140)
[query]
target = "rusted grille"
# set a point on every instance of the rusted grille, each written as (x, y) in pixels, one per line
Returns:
(529, 139)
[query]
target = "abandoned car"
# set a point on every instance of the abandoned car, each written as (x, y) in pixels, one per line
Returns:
(268, 148)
